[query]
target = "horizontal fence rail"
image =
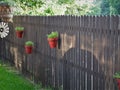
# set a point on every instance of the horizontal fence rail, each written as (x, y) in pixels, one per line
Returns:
(86, 57)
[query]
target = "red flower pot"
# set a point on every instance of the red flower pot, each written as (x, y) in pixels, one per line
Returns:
(19, 34)
(118, 83)
(28, 49)
(52, 42)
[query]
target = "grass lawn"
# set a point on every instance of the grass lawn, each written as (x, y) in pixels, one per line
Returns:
(11, 80)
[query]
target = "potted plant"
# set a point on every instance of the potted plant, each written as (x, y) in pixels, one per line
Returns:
(29, 47)
(116, 76)
(19, 31)
(52, 39)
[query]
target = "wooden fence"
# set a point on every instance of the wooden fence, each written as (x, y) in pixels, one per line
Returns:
(87, 55)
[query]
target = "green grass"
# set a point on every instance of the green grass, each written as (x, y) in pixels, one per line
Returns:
(12, 80)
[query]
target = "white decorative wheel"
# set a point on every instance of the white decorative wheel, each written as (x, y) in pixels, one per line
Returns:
(4, 29)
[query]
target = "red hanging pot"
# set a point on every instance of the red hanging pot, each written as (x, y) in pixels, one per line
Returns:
(19, 34)
(118, 83)
(52, 42)
(28, 49)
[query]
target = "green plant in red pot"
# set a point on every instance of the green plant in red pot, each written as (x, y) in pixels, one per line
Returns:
(19, 31)
(116, 76)
(53, 39)
(29, 47)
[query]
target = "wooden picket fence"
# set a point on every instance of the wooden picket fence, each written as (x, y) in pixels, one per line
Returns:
(86, 57)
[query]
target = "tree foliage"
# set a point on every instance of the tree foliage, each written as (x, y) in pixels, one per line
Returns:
(105, 7)
(115, 6)
(65, 7)
(54, 7)
(110, 7)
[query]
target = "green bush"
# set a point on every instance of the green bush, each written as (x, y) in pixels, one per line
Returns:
(19, 28)
(53, 35)
(29, 43)
(116, 75)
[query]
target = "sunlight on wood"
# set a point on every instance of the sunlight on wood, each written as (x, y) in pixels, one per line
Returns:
(68, 42)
